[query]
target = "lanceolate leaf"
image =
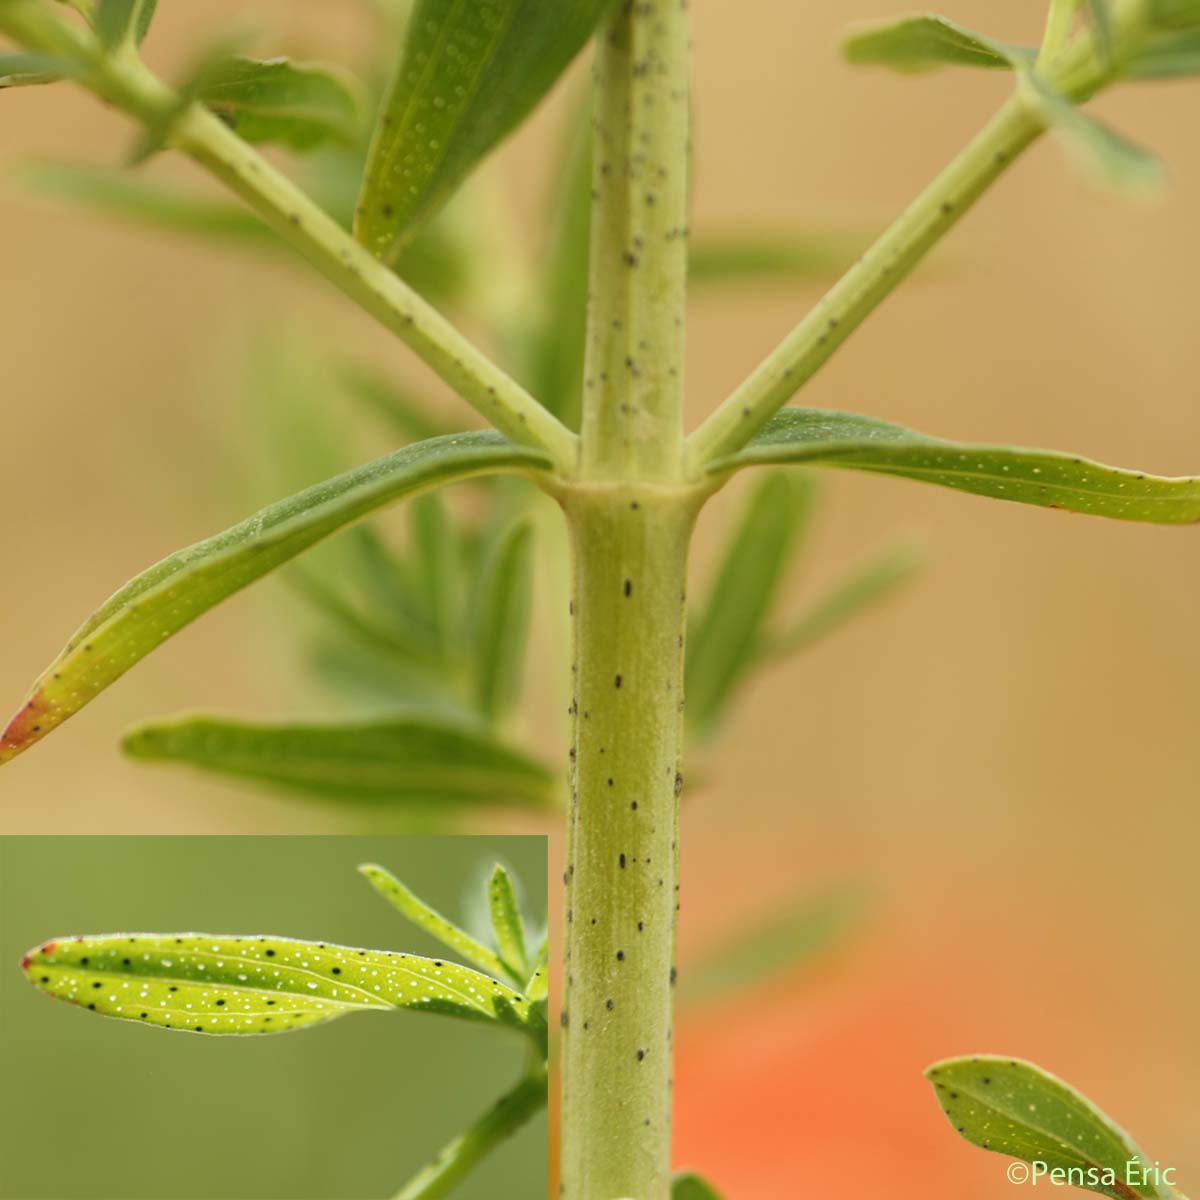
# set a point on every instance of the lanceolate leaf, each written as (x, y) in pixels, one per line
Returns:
(506, 921)
(725, 636)
(170, 595)
(28, 70)
(1097, 148)
(869, 584)
(123, 22)
(925, 43)
(689, 1186)
(432, 921)
(1012, 1107)
(218, 983)
(404, 761)
(502, 620)
(469, 72)
(804, 255)
(276, 100)
(818, 437)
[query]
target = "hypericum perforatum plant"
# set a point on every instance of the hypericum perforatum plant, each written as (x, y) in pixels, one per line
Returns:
(630, 482)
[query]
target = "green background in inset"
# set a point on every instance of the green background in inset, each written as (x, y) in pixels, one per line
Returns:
(101, 1108)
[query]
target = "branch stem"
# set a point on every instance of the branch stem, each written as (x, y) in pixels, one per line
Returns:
(633, 376)
(457, 1157)
(1078, 71)
(127, 84)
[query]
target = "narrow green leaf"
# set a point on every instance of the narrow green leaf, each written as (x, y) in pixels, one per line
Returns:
(786, 941)
(405, 760)
(432, 921)
(539, 980)
(1015, 1108)
(689, 1186)
(468, 74)
(121, 23)
(297, 105)
(817, 437)
(506, 921)
(819, 254)
(29, 70)
(863, 588)
(225, 984)
(501, 623)
(434, 567)
(1096, 147)
(1168, 58)
(558, 342)
(925, 43)
(173, 593)
(122, 194)
(725, 635)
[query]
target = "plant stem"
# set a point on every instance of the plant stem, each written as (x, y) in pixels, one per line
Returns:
(633, 378)
(129, 85)
(1078, 72)
(859, 292)
(457, 1157)
(630, 549)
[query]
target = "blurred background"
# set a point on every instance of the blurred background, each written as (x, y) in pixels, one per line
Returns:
(101, 1108)
(1004, 756)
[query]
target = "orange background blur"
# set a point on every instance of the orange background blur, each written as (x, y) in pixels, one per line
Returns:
(1007, 753)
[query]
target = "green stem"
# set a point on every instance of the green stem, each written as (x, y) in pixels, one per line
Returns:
(456, 1158)
(1078, 72)
(859, 292)
(127, 84)
(630, 547)
(633, 377)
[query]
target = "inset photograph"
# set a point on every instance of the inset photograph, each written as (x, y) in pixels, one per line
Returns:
(327, 1018)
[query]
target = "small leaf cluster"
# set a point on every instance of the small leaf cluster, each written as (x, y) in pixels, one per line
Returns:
(239, 985)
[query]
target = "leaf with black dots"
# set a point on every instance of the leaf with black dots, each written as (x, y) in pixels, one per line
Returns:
(507, 922)
(222, 984)
(1015, 1108)
(170, 595)
(821, 438)
(689, 1186)
(425, 917)
(467, 74)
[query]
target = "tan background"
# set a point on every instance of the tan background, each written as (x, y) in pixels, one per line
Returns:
(1008, 752)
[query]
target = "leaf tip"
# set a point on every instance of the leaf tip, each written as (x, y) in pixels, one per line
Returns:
(35, 718)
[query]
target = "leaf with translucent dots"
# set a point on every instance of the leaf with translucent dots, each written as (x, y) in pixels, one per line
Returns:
(467, 74)
(429, 919)
(170, 595)
(507, 923)
(1015, 1108)
(223, 984)
(821, 438)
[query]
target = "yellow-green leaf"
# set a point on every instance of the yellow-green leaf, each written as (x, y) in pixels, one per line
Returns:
(226, 984)
(1015, 1108)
